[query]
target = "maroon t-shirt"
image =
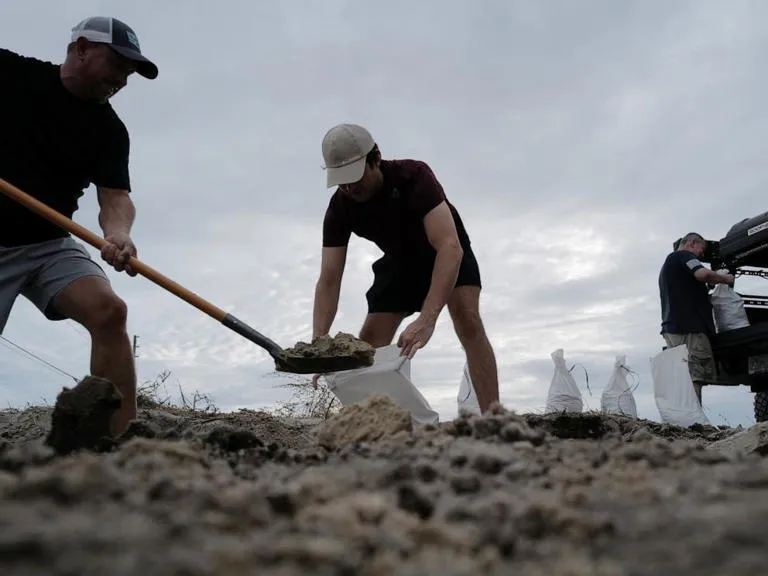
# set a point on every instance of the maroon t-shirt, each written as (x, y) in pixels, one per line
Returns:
(394, 218)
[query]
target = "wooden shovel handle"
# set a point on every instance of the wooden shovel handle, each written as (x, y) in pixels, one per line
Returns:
(97, 242)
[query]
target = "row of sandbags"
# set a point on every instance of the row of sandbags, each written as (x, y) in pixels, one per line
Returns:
(390, 375)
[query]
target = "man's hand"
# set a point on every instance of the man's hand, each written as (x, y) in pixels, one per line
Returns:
(415, 336)
(118, 252)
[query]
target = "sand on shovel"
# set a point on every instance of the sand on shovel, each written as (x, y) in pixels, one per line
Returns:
(81, 417)
(326, 354)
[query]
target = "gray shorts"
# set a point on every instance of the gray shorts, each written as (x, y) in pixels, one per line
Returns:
(40, 271)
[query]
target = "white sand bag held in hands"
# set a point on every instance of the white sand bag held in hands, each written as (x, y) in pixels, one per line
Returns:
(728, 308)
(673, 388)
(617, 398)
(389, 376)
(564, 394)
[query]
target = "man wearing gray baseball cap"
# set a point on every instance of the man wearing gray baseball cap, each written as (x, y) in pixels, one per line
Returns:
(428, 262)
(60, 135)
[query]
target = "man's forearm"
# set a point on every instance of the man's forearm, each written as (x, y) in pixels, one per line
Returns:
(326, 304)
(715, 278)
(444, 274)
(117, 214)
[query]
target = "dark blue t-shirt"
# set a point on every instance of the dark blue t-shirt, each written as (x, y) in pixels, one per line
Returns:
(685, 303)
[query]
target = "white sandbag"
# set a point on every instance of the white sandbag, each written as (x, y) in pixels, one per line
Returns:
(564, 394)
(617, 397)
(390, 376)
(728, 308)
(673, 388)
(467, 397)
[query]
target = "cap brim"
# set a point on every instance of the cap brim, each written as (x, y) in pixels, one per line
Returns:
(145, 66)
(346, 174)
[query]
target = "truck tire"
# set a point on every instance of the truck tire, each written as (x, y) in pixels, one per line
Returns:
(761, 406)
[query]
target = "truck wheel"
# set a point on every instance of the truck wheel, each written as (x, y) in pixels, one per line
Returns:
(761, 406)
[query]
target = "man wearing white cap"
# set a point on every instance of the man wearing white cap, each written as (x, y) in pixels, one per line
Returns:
(427, 263)
(60, 135)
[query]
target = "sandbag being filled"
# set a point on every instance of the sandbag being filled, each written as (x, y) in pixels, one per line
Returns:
(389, 376)
(564, 394)
(617, 398)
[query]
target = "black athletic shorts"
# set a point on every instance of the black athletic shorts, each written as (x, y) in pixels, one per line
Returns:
(401, 286)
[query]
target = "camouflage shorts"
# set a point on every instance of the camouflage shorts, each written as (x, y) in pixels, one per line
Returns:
(701, 361)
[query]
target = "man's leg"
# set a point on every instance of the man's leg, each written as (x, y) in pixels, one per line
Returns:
(71, 285)
(379, 328)
(386, 303)
(701, 361)
(464, 308)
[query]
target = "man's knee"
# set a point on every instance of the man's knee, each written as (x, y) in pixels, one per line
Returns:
(111, 313)
(464, 308)
(468, 324)
(106, 314)
(92, 302)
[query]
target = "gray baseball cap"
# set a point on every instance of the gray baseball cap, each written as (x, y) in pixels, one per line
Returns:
(119, 36)
(345, 147)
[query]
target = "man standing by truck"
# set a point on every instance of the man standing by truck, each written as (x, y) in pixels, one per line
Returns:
(686, 310)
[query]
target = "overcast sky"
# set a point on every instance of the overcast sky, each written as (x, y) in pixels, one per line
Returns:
(578, 140)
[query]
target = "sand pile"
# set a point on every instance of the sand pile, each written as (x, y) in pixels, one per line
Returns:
(247, 493)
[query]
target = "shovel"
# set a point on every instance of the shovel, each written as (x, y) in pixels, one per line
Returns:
(300, 361)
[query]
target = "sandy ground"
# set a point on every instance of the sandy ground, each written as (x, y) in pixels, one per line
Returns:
(187, 493)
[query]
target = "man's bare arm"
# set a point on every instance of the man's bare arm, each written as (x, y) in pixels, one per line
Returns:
(117, 211)
(327, 289)
(712, 277)
(442, 235)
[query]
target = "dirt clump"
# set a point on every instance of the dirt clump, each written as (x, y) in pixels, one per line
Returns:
(198, 493)
(81, 416)
(327, 354)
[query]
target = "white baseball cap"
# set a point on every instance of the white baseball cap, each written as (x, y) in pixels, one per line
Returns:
(119, 36)
(345, 147)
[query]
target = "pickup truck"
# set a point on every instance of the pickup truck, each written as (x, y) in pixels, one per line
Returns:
(741, 354)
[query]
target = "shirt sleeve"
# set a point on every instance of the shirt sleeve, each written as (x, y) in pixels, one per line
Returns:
(111, 169)
(690, 261)
(11, 62)
(427, 193)
(336, 229)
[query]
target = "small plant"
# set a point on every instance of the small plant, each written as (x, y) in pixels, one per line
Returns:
(308, 401)
(154, 394)
(149, 393)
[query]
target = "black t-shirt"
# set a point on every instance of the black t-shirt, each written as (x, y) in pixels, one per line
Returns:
(52, 146)
(685, 303)
(394, 218)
